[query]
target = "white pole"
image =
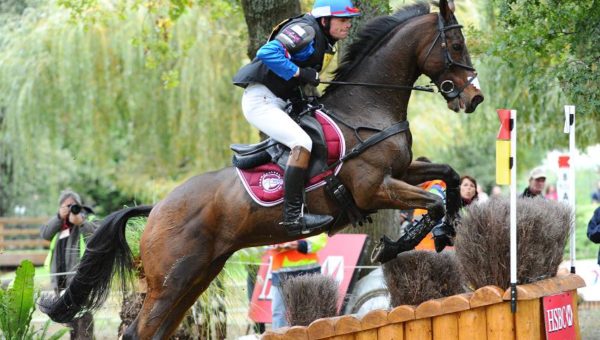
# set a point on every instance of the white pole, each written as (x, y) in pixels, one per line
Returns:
(570, 129)
(513, 210)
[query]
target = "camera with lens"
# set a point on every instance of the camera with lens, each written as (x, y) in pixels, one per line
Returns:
(75, 209)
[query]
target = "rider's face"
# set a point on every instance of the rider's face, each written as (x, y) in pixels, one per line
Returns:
(340, 28)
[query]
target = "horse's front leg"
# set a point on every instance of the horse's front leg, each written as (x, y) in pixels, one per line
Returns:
(397, 194)
(419, 172)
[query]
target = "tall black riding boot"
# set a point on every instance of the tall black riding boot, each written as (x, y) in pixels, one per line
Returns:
(295, 221)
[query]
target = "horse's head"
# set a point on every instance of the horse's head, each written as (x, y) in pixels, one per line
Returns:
(447, 62)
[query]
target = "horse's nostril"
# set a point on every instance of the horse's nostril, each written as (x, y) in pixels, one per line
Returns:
(476, 100)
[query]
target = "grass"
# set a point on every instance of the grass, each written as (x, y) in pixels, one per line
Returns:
(585, 249)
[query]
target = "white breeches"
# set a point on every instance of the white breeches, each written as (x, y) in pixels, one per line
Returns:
(264, 111)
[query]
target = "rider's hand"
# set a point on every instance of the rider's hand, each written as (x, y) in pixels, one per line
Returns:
(309, 76)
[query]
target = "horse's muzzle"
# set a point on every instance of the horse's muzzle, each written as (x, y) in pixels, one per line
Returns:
(478, 99)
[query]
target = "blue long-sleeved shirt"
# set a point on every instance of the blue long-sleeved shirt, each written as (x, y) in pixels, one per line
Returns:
(280, 61)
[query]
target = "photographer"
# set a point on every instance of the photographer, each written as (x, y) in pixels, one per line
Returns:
(68, 232)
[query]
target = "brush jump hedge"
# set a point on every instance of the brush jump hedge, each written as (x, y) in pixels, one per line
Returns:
(483, 314)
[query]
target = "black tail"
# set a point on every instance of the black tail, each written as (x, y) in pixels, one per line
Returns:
(90, 287)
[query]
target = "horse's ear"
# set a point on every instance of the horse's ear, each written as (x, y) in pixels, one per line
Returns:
(447, 9)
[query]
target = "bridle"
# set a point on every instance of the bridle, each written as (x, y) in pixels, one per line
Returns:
(447, 87)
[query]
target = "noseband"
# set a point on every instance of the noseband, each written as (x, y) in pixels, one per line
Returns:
(447, 87)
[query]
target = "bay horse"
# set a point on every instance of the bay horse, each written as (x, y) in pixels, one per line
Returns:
(192, 232)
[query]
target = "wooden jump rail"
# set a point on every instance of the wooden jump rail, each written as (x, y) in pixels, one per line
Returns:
(483, 314)
(30, 247)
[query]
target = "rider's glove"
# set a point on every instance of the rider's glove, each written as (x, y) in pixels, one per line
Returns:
(309, 76)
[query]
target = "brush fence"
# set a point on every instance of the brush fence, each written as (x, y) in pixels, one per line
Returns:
(483, 314)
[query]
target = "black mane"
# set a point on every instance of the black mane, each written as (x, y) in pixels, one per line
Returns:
(372, 34)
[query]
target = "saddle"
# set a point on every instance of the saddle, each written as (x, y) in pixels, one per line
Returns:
(261, 166)
(248, 156)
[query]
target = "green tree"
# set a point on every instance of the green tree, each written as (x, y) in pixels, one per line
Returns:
(262, 15)
(550, 45)
(92, 103)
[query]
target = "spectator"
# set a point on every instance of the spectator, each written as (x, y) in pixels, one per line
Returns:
(438, 238)
(468, 190)
(292, 259)
(537, 182)
(596, 194)
(551, 193)
(482, 196)
(68, 232)
(496, 192)
(593, 231)
(437, 187)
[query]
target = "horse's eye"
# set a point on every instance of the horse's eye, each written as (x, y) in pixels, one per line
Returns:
(457, 47)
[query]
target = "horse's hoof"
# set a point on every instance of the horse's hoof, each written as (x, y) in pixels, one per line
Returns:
(441, 242)
(443, 236)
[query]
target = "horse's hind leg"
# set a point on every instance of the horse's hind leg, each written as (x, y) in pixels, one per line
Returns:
(177, 312)
(397, 194)
(165, 304)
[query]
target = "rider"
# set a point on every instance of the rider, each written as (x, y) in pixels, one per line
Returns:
(291, 59)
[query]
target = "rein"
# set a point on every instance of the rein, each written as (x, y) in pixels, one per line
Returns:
(426, 88)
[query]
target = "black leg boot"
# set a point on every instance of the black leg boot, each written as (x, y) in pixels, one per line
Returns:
(386, 249)
(295, 221)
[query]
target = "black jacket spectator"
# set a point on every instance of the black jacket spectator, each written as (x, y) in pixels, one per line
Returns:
(593, 231)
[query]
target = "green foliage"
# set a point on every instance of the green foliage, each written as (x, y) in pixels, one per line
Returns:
(42, 334)
(585, 248)
(133, 234)
(17, 303)
(547, 45)
(12, 6)
(83, 108)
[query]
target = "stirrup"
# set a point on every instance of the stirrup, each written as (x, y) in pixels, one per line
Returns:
(385, 250)
(300, 226)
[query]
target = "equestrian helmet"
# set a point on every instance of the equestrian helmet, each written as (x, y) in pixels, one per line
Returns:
(334, 8)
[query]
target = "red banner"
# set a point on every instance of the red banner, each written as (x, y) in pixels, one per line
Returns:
(559, 316)
(338, 259)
